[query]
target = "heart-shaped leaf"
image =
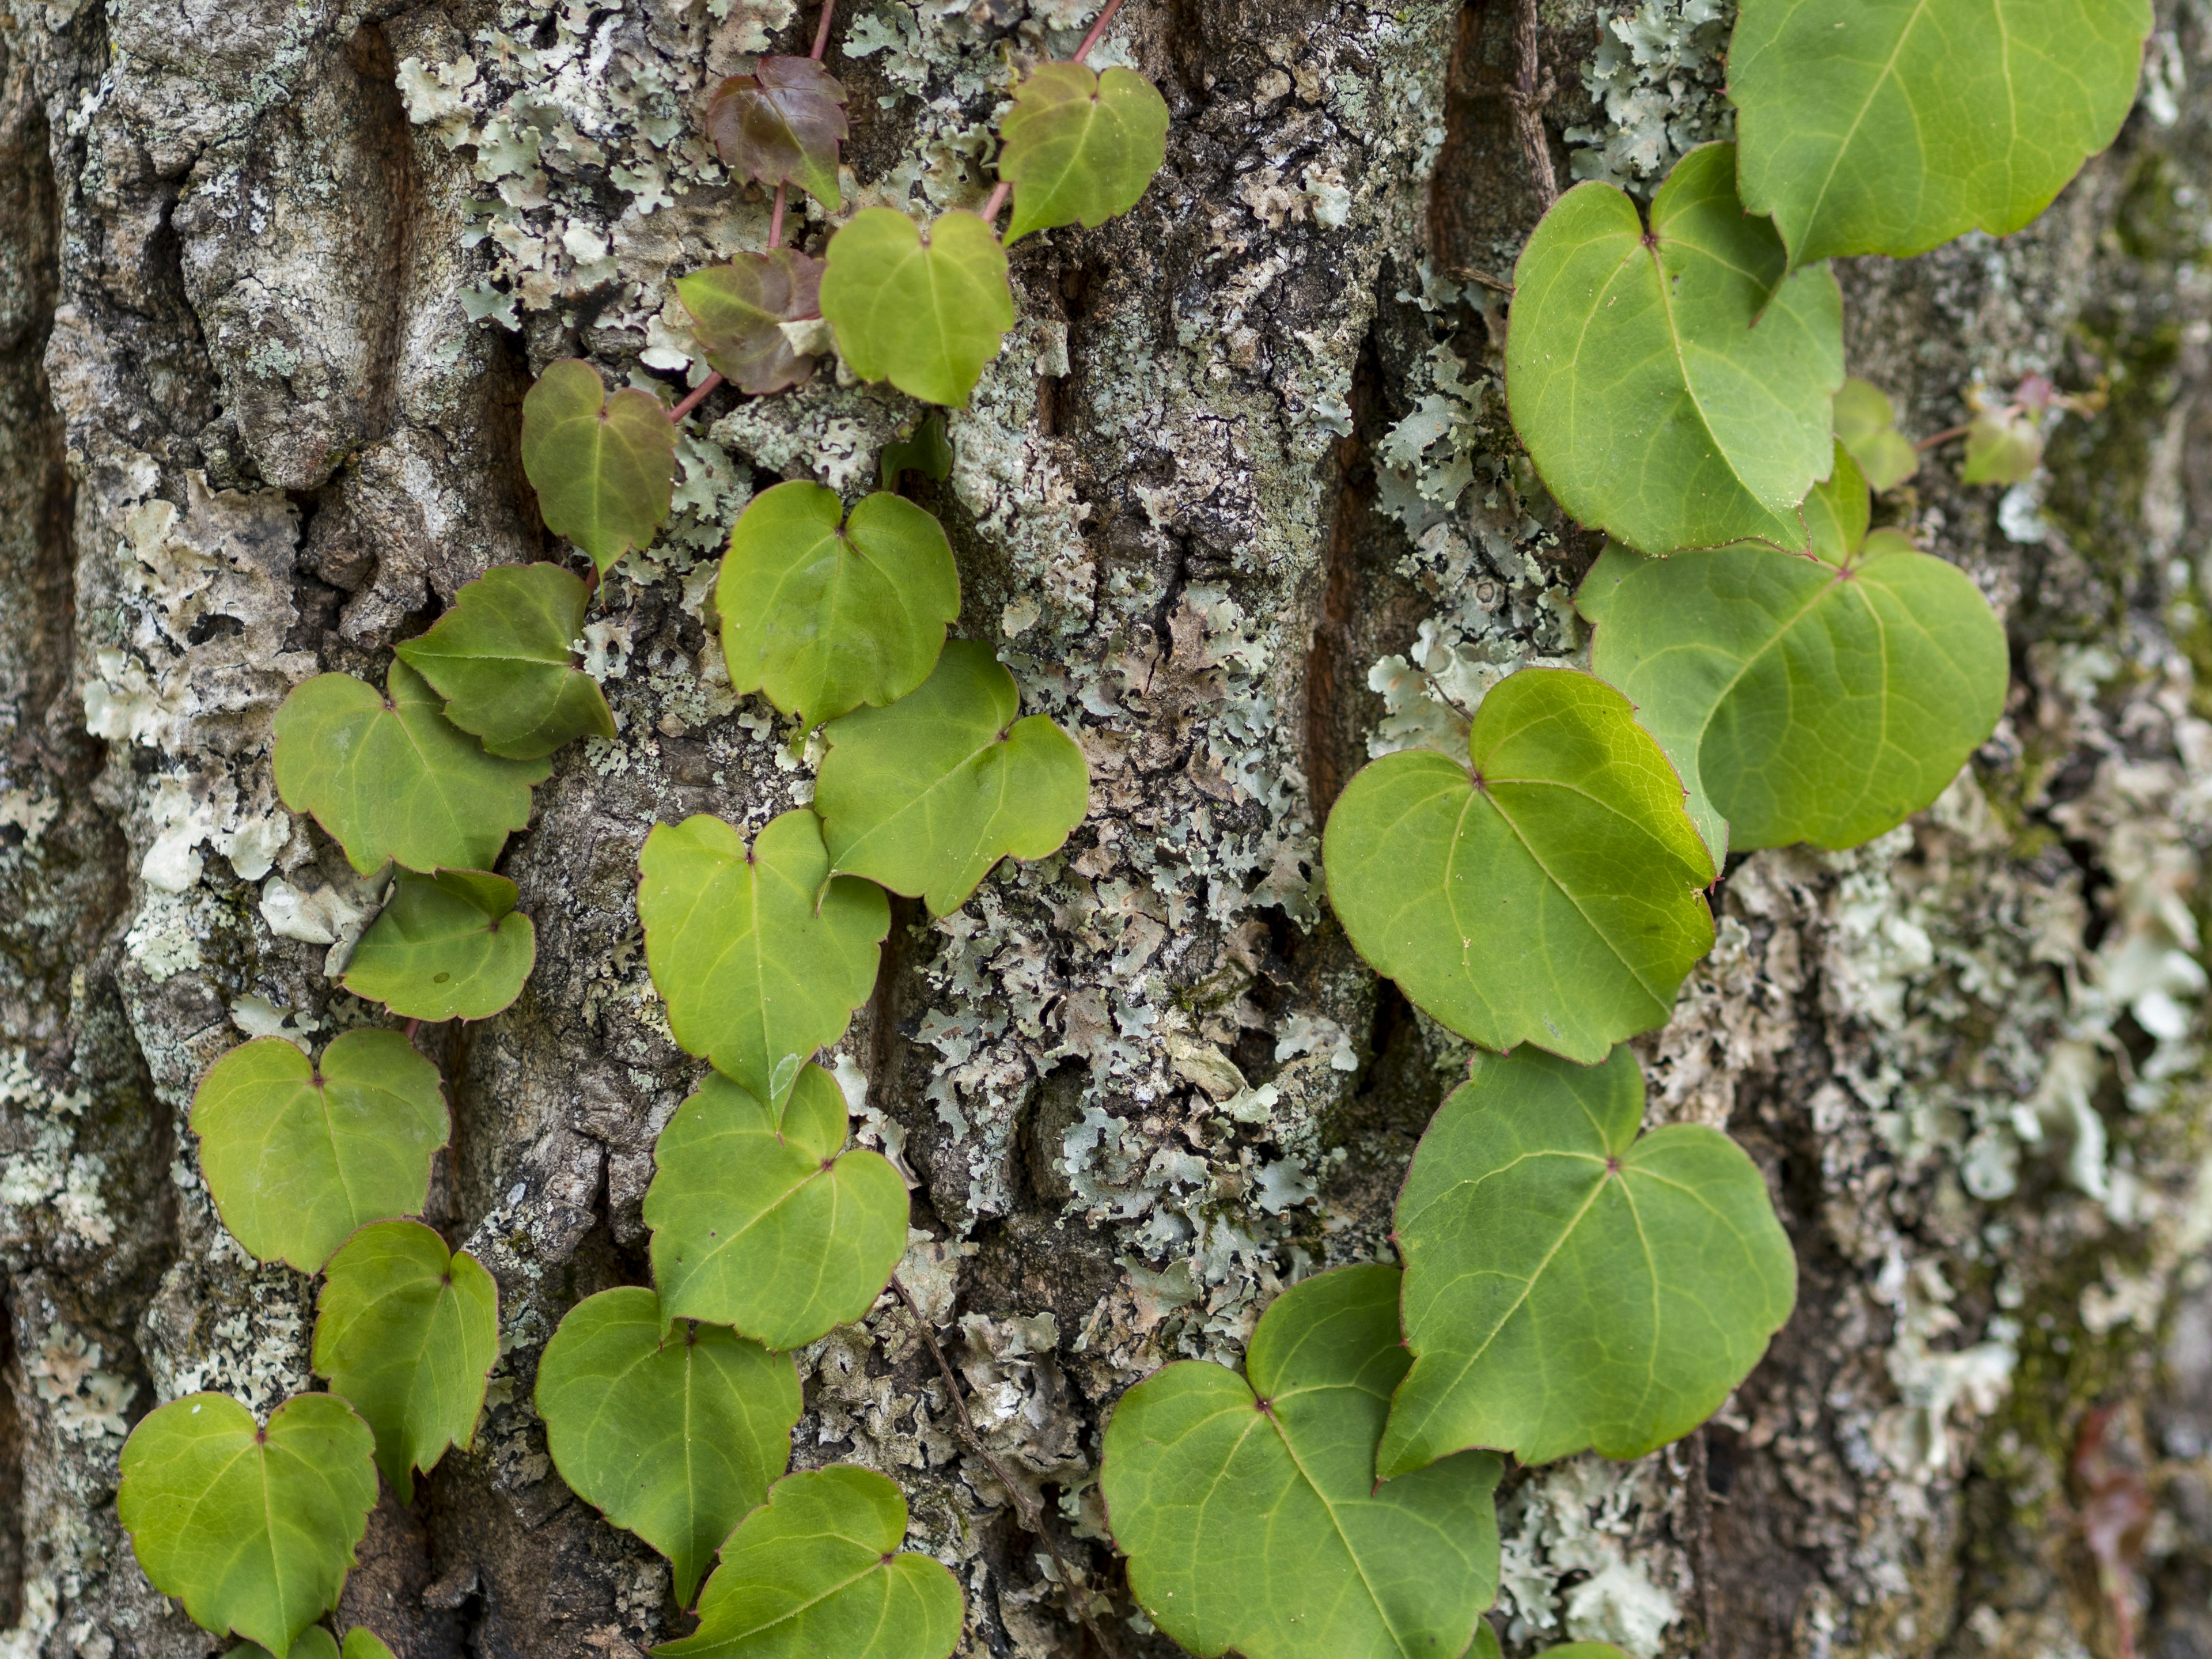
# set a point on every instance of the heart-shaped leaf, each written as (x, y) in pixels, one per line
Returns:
(1570, 1284)
(740, 310)
(363, 1642)
(824, 615)
(297, 1156)
(1249, 1510)
(924, 315)
(1650, 404)
(395, 780)
(251, 1528)
(2003, 446)
(446, 947)
(763, 1221)
(781, 123)
(927, 795)
(674, 1438)
(407, 1333)
(1079, 146)
(503, 660)
(1889, 126)
(1550, 898)
(760, 956)
(604, 467)
(818, 1569)
(1866, 425)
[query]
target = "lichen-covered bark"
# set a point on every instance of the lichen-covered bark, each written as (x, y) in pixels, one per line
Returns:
(1239, 504)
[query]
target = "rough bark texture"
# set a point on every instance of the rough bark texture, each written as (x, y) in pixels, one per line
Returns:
(1239, 502)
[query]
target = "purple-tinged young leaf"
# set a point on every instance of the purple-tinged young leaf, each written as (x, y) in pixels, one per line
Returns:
(781, 124)
(740, 309)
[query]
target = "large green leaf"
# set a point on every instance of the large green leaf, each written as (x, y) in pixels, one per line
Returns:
(818, 1569)
(1650, 404)
(407, 1332)
(446, 947)
(739, 311)
(1889, 126)
(781, 123)
(503, 660)
(394, 780)
(924, 315)
(1079, 146)
(763, 1220)
(1552, 898)
(675, 1437)
(604, 467)
(1568, 1283)
(1249, 1510)
(824, 615)
(251, 1528)
(927, 795)
(297, 1156)
(760, 956)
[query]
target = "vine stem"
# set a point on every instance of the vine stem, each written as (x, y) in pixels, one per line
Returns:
(776, 218)
(698, 396)
(1942, 437)
(822, 30)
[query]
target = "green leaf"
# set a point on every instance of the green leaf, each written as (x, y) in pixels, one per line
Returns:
(1249, 1510)
(1079, 146)
(604, 467)
(740, 310)
(314, 1643)
(446, 947)
(297, 1156)
(1889, 126)
(1568, 1283)
(818, 1569)
(407, 1332)
(927, 795)
(1866, 425)
(1551, 898)
(824, 618)
(2003, 446)
(503, 658)
(1650, 404)
(363, 1642)
(251, 1528)
(761, 1220)
(924, 315)
(674, 1439)
(394, 780)
(781, 123)
(926, 451)
(760, 956)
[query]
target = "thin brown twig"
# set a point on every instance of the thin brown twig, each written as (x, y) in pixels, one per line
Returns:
(1098, 29)
(698, 396)
(1529, 97)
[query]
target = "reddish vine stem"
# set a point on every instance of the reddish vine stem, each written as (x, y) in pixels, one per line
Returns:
(698, 396)
(1098, 29)
(776, 218)
(1942, 437)
(822, 30)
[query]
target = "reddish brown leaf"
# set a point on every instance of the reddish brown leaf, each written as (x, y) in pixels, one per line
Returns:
(737, 308)
(781, 124)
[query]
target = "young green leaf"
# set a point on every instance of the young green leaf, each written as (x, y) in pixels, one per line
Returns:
(604, 467)
(2003, 446)
(781, 123)
(760, 956)
(1250, 1508)
(763, 1220)
(1079, 146)
(446, 947)
(1889, 126)
(1568, 1283)
(818, 1569)
(1550, 898)
(740, 310)
(363, 1642)
(926, 315)
(395, 780)
(824, 615)
(297, 1156)
(406, 1331)
(1650, 404)
(251, 1528)
(503, 658)
(1866, 425)
(927, 795)
(314, 1643)
(926, 450)
(674, 1437)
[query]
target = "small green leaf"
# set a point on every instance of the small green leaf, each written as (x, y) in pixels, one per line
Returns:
(1551, 898)
(824, 618)
(446, 947)
(407, 1332)
(781, 123)
(1866, 425)
(604, 467)
(1249, 1510)
(924, 315)
(740, 310)
(2003, 446)
(1079, 146)
(363, 1642)
(927, 795)
(674, 1438)
(926, 451)
(1650, 404)
(503, 658)
(314, 1643)
(818, 1569)
(760, 956)
(1837, 512)
(297, 1156)
(1569, 1283)
(762, 1221)
(1889, 126)
(251, 1528)
(394, 780)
